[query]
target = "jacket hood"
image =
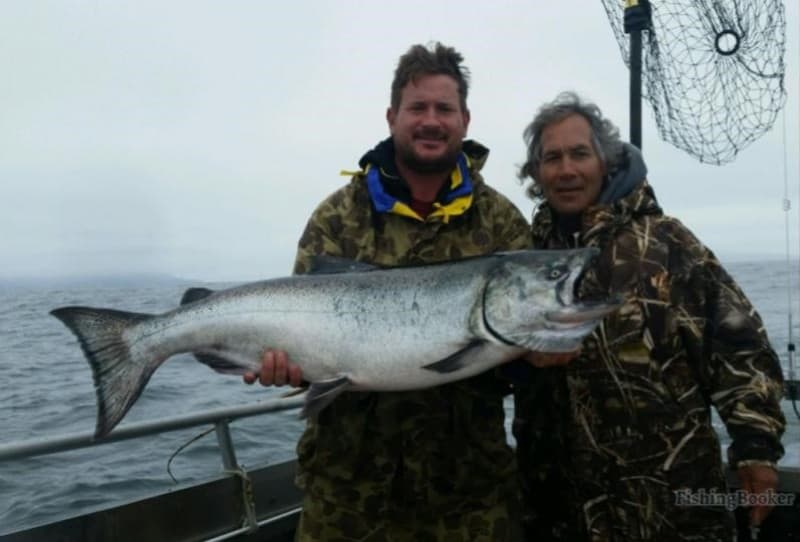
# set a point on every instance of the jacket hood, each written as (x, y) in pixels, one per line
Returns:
(390, 193)
(627, 176)
(382, 156)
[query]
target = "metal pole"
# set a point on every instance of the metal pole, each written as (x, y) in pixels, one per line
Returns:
(226, 445)
(637, 19)
(636, 89)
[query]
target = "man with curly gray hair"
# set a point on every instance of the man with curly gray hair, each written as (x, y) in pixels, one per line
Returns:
(610, 444)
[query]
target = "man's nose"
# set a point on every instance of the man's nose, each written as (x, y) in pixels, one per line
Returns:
(566, 167)
(430, 116)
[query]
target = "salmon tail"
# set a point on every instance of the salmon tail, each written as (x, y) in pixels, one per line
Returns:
(119, 378)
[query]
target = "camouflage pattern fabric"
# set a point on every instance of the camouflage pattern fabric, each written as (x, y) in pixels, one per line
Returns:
(605, 442)
(334, 522)
(440, 452)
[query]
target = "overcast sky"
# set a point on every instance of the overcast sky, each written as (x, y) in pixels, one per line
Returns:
(195, 137)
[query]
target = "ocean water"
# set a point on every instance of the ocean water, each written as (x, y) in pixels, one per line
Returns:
(47, 391)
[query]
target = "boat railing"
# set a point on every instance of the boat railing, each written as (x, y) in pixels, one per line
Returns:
(283, 510)
(283, 505)
(221, 419)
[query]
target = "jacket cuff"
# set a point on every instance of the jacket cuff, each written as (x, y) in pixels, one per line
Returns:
(754, 449)
(756, 463)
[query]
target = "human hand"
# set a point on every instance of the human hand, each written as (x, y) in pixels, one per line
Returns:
(276, 370)
(758, 480)
(550, 359)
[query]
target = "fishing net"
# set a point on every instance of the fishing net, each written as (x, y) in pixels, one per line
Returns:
(712, 71)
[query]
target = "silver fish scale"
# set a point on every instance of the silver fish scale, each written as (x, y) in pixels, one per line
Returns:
(379, 330)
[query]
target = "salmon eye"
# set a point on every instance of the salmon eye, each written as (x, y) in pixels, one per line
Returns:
(556, 272)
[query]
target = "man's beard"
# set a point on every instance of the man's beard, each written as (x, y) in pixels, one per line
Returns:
(444, 164)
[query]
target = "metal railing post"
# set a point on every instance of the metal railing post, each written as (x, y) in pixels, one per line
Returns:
(226, 445)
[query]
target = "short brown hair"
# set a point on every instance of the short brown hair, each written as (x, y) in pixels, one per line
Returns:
(435, 59)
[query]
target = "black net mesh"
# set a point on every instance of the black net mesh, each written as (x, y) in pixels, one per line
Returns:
(712, 71)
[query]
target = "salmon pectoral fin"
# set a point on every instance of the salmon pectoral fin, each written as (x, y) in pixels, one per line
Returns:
(322, 393)
(457, 360)
(297, 391)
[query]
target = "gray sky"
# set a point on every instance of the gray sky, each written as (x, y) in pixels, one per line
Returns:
(195, 137)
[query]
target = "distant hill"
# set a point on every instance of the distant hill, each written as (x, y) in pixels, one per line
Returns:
(102, 281)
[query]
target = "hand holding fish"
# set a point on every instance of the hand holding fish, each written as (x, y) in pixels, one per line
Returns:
(758, 480)
(276, 370)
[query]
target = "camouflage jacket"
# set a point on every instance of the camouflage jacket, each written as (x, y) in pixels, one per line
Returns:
(425, 450)
(622, 428)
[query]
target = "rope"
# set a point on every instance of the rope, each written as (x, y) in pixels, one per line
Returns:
(791, 385)
(183, 447)
(249, 520)
(787, 205)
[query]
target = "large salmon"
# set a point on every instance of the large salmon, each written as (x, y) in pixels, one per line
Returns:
(351, 326)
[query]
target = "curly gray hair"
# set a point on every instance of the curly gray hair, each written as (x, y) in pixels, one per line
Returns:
(605, 136)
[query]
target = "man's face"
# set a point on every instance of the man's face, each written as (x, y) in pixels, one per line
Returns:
(429, 124)
(570, 172)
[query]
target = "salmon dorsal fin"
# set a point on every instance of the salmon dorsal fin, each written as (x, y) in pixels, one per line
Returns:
(325, 265)
(195, 294)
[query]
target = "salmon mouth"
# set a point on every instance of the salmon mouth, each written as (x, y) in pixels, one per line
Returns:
(567, 294)
(577, 315)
